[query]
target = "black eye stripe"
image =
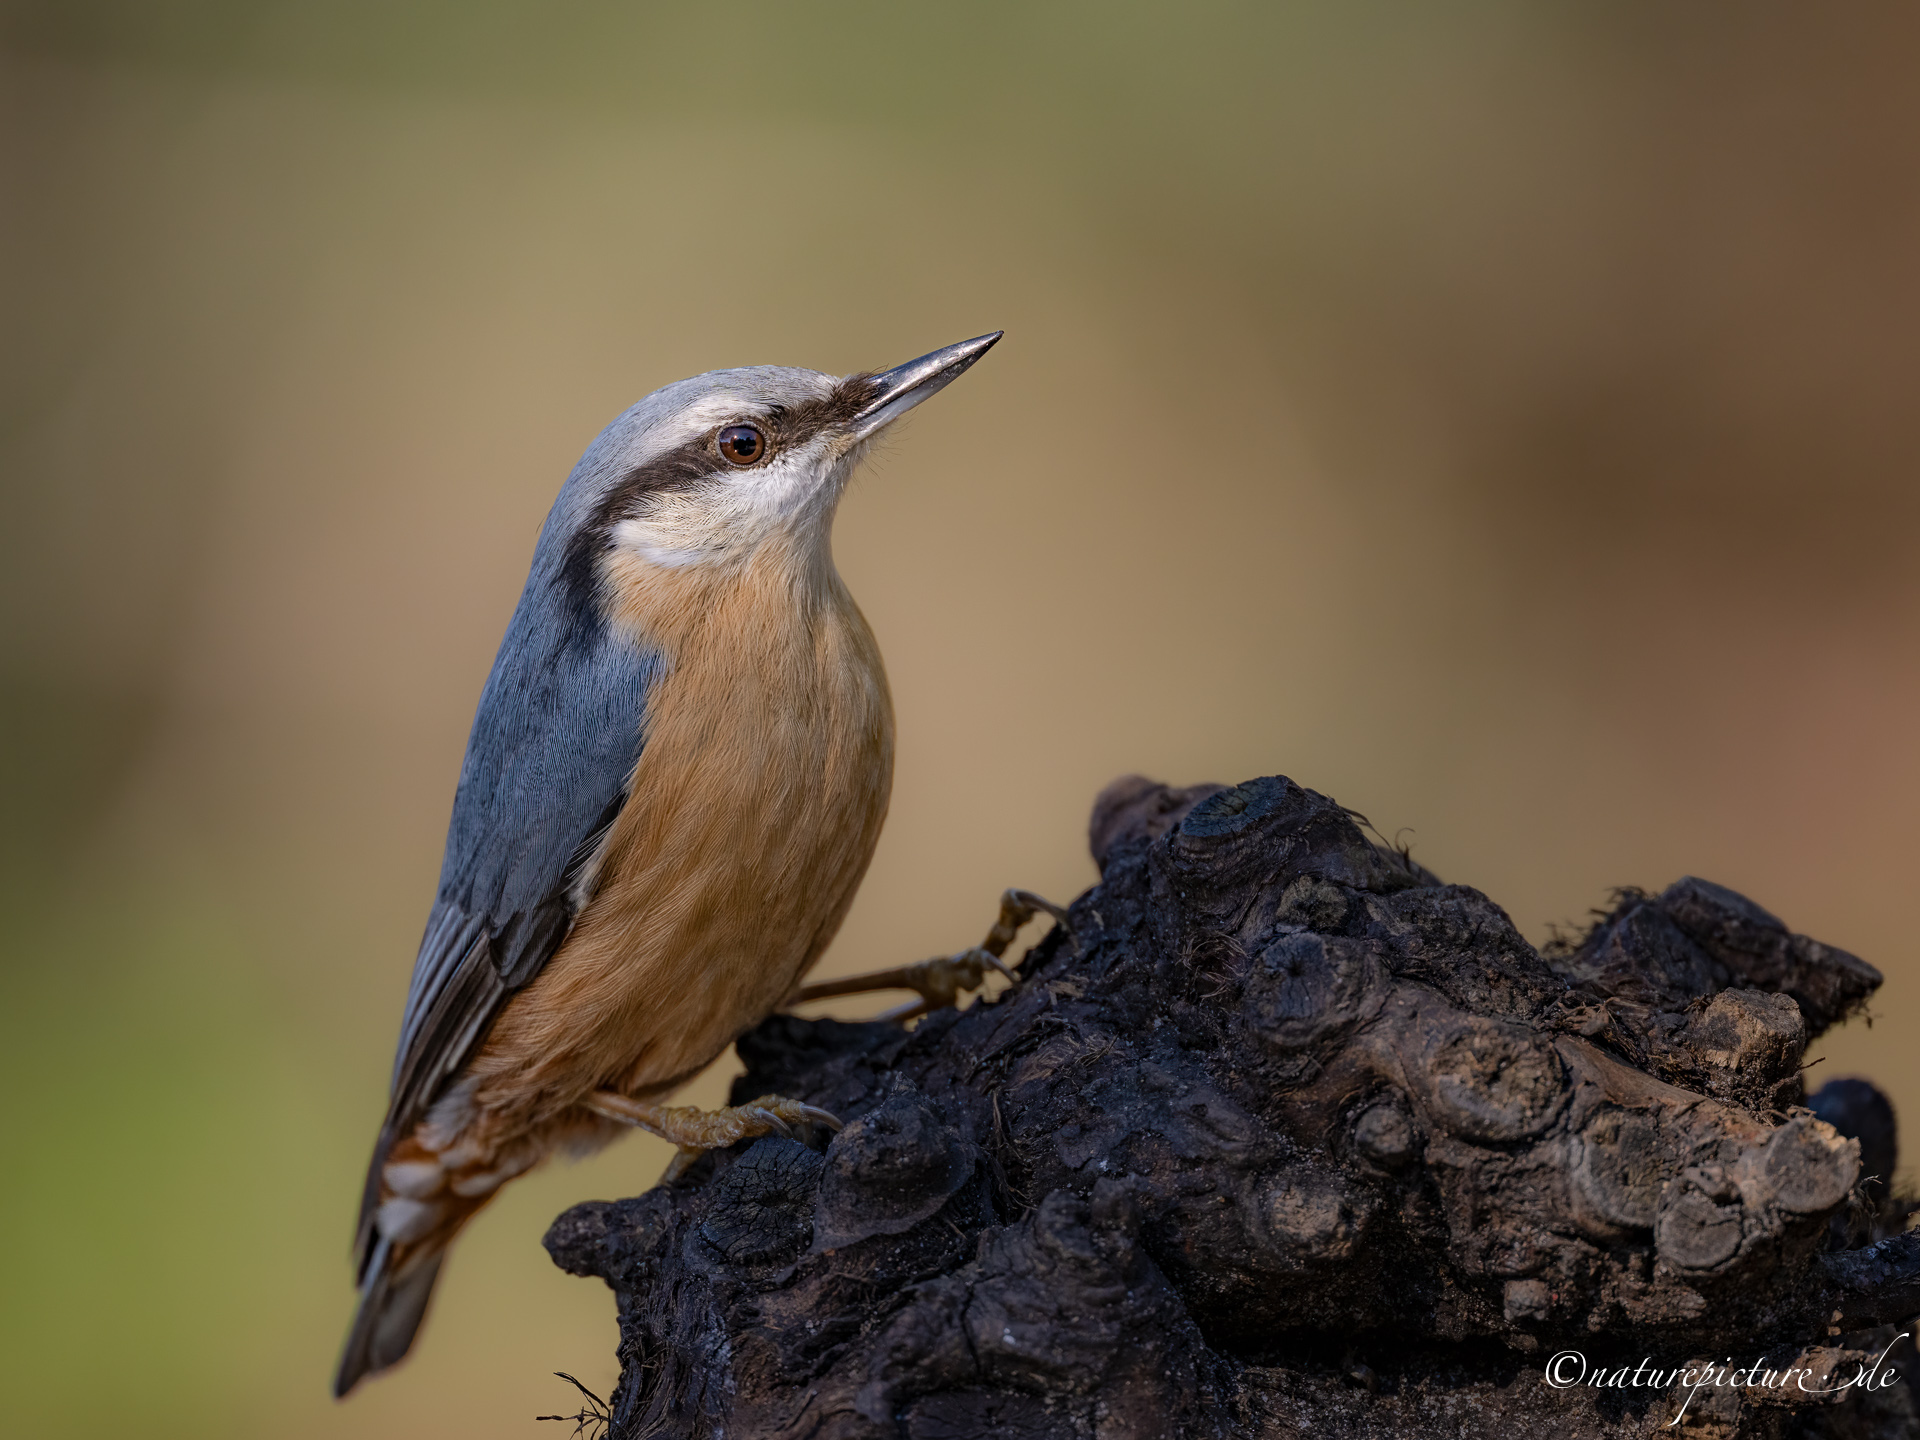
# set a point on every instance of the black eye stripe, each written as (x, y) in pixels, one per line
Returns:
(681, 468)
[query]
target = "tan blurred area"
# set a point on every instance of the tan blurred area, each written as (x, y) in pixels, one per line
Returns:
(1500, 417)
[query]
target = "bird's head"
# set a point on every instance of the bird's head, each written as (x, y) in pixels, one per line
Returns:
(703, 476)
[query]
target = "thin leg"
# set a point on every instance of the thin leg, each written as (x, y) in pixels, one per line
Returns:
(697, 1131)
(939, 981)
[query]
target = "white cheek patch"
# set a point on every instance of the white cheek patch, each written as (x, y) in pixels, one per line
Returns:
(731, 514)
(640, 538)
(679, 530)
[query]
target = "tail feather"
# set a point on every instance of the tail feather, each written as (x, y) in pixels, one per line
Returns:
(393, 1300)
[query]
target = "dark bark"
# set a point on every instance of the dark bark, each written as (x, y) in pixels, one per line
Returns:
(1287, 1138)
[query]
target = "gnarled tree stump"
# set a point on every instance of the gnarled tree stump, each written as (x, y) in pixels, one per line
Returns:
(1286, 1138)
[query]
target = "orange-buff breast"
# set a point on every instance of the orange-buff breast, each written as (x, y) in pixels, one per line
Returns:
(754, 810)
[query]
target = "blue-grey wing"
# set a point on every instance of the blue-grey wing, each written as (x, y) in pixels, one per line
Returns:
(553, 748)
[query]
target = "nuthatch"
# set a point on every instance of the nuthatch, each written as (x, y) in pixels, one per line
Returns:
(675, 780)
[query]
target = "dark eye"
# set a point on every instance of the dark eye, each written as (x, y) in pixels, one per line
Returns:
(741, 444)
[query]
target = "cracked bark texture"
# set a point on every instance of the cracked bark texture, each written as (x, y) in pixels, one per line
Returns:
(1287, 1137)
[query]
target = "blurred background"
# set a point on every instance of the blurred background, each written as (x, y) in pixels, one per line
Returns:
(1498, 416)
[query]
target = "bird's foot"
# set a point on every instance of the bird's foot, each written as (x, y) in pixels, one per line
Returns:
(939, 981)
(696, 1131)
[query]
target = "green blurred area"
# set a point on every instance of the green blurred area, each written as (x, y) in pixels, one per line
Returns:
(1499, 417)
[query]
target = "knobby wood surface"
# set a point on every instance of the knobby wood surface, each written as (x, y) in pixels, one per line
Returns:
(1288, 1137)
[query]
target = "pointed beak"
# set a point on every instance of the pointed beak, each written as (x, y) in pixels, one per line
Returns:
(898, 390)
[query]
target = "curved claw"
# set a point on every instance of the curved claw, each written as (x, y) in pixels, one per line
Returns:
(818, 1116)
(769, 1118)
(1024, 905)
(784, 1113)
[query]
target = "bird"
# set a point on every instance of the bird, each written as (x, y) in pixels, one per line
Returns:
(675, 779)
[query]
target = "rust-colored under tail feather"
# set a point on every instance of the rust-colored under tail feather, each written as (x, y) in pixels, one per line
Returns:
(392, 1304)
